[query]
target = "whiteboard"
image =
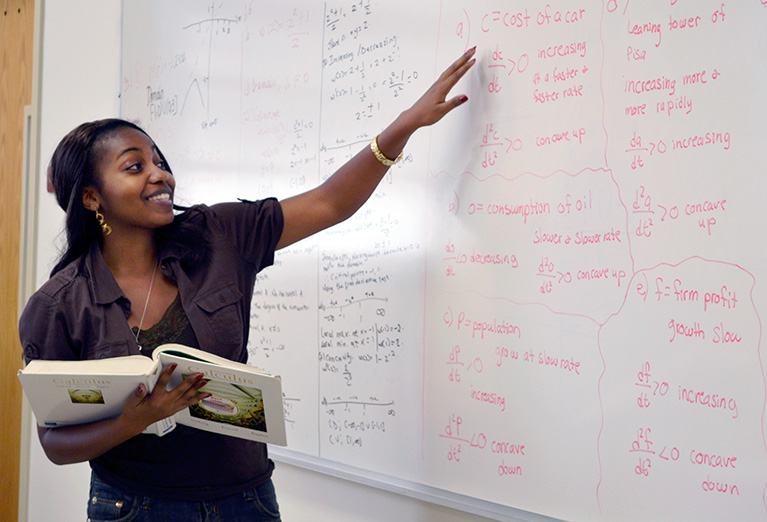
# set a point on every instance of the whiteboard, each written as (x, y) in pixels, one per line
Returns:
(552, 307)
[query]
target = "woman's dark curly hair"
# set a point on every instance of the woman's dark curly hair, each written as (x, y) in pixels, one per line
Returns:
(74, 167)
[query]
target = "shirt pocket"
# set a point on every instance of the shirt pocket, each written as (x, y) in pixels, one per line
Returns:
(106, 350)
(222, 308)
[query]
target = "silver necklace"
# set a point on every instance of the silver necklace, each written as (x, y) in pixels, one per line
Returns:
(146, 304)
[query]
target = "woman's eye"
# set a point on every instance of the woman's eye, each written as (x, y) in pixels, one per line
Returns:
(162, 165)
(134, 167)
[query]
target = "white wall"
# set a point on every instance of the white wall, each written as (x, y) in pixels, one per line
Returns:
(81, 82)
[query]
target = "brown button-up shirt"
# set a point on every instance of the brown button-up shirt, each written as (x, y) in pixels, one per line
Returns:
(81, 313)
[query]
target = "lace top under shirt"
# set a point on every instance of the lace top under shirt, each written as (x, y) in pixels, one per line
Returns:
(172, 328)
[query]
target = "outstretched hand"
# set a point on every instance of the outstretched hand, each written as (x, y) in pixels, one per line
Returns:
(434, 105)
(351, 185)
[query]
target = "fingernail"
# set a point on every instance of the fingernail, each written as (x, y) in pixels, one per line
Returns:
(471, 50)
(463, 98)
(198, 376)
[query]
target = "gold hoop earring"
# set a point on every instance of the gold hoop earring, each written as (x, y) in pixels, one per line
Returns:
(106, 229)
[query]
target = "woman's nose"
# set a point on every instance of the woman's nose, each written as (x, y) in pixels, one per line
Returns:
(159, 175)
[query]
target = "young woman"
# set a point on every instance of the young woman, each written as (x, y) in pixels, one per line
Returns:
(135, 275)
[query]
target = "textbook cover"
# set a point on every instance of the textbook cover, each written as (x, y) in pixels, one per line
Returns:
(245, 401)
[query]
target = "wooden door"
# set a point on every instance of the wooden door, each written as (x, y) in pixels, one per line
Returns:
(16, 43)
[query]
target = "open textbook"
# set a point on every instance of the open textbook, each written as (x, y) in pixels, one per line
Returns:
(245, 401)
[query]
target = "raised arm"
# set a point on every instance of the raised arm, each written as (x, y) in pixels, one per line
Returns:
(350, 186)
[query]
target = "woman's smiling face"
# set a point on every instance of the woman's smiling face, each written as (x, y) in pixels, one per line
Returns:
(136, 185)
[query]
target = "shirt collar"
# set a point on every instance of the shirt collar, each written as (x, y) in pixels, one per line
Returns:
(103, 285)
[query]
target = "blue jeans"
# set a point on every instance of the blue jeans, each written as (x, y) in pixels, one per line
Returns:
(108, 504)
